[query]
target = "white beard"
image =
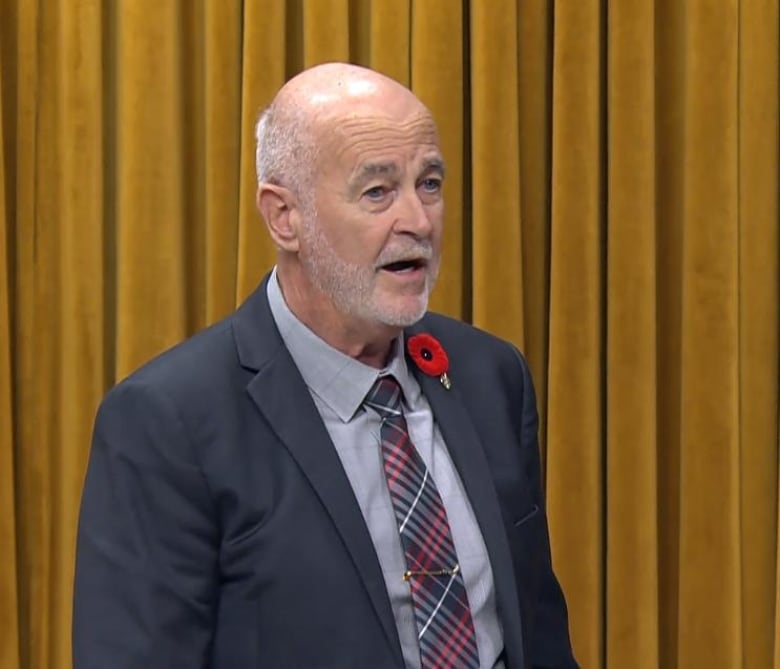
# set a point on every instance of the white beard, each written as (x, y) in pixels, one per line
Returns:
(351, 287)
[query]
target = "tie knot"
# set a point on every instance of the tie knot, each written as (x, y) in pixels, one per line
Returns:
(385, 397)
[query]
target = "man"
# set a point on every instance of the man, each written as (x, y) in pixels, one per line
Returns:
(295, 487)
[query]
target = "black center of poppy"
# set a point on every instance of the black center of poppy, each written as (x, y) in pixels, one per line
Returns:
(427, 354)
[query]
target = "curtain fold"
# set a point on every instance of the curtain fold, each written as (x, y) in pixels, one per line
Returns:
(575, 403)
(150, 182)
(631, 551)
(436, 76)
(390, 38)
(534, 68)
(710, 616)
(496, 247)
(71, 181)
(32, 354)
(264, 69)
(612, 209)
(325, 31)
(221, 161)
(9, 600)
(759, 296)
(669, 173)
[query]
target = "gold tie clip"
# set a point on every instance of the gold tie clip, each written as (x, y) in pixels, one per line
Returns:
(436, 572)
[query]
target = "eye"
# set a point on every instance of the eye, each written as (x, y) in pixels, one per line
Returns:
(431, 185)
(375, 193)
(429, 190)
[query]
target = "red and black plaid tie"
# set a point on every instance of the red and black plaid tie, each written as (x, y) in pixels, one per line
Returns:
(445, 629)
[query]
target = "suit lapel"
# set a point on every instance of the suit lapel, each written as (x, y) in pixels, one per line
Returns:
(280, 393)
(466, 451)
(299, 427)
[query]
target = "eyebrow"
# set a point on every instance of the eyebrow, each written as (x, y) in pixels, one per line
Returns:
(436, 164)
(368, 171)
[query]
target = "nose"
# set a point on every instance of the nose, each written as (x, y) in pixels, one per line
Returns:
(414, 217)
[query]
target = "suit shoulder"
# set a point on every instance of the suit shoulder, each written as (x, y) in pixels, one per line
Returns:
(456, 335)
(190, 370)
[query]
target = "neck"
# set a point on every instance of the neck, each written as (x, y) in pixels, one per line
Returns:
(370, 343)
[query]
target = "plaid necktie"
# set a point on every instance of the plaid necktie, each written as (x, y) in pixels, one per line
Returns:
(441, 608)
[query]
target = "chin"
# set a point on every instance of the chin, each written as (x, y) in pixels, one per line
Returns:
(401, 315)
(402, 320)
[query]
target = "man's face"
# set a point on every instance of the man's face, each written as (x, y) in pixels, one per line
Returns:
(373, 242)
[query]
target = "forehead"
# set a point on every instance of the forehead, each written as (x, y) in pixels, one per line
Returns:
(357, 140)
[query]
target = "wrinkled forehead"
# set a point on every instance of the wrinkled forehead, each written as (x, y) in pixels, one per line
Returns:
(360, 138)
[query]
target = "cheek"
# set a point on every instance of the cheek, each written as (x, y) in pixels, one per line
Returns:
(436, 218)
(359, 243)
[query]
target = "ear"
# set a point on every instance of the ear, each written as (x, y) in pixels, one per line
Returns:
(279, 208)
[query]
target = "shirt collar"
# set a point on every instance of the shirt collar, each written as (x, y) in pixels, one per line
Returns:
(340, 381)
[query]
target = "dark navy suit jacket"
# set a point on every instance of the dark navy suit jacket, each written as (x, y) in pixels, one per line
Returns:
(218, 528)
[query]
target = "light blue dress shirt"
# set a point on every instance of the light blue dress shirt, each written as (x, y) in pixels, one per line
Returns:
(339, 384)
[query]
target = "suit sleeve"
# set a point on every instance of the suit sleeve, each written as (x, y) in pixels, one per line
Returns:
(550, 646)
(146, 566)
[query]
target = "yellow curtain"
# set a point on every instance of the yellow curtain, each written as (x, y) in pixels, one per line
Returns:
(612, 196)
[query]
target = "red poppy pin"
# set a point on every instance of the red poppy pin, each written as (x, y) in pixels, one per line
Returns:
(429, 355)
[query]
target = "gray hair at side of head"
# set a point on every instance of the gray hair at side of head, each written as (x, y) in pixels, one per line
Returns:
(285, 152)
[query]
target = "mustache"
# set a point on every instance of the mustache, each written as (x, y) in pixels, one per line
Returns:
(405, 252)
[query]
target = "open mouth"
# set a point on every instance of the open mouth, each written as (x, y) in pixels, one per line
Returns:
(402, 266)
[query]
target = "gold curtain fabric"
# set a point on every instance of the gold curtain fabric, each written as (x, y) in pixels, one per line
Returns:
(612, 198)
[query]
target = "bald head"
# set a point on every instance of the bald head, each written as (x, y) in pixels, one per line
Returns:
(350, 186)
(334, 88)
(313, 104)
